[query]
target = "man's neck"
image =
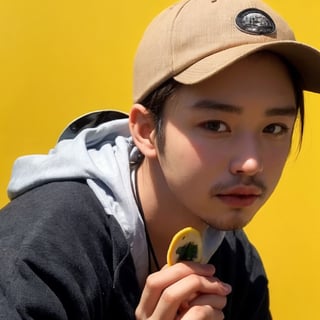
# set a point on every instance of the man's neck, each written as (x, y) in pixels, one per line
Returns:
(162, 213)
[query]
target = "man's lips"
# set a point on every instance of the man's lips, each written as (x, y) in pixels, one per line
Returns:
(240, 196)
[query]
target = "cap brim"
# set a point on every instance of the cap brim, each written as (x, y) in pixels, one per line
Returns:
(305, 59)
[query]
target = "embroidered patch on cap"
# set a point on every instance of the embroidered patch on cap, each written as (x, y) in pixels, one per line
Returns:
(255, 21)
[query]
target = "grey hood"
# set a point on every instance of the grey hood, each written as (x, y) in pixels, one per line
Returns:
(102, 157)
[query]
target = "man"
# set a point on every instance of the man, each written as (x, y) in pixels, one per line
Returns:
(217, 90)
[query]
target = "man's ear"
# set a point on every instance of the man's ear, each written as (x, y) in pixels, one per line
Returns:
(142, 128)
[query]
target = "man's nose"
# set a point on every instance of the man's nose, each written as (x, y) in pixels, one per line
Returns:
(247, 159)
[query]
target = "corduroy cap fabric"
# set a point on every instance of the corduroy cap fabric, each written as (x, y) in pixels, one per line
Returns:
(194, 39)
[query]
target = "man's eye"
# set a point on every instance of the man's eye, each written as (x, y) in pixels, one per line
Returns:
(217, 126)
(276, 129)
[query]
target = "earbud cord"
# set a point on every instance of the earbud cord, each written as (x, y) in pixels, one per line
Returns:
(151, 251)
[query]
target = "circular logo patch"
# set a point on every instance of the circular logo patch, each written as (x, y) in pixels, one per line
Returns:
(255, 21)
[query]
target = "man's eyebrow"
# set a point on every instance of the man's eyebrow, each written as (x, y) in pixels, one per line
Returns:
(290, 111)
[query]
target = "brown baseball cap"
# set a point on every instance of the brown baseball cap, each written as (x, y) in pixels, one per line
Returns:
(194, 39)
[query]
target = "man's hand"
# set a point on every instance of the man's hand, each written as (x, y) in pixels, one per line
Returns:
(184, 291)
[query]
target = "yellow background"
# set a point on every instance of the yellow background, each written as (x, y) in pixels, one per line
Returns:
(61, 58)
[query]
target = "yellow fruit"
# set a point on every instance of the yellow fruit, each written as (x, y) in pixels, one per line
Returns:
(186, 245)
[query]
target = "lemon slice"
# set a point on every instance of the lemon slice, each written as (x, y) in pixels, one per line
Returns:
(186, 245)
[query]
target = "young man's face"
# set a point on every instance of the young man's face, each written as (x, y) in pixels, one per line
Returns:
(227, 140)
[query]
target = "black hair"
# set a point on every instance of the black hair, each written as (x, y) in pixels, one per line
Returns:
(299, 97)
(155, 103)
